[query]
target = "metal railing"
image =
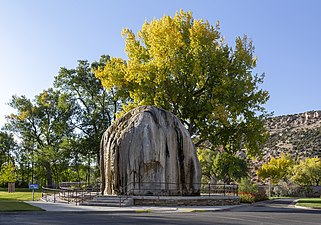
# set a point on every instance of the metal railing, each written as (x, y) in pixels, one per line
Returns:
(171, 189)
(79, 194)
(219, 189)
(70, 194)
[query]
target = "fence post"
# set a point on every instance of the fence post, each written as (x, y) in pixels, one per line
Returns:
(54, 196)
(209, 188)
(224, 189)
(98, 188)
(270, 188)
(83, 196)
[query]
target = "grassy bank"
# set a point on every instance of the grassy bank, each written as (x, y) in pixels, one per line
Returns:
(310, 202)
(14, 201)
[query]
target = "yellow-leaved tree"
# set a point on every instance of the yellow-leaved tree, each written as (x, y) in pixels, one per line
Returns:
(184, 65)
(307, 172)
(8, 175)
(276, 169)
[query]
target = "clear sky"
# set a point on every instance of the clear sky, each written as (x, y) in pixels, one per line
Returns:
(37, 37)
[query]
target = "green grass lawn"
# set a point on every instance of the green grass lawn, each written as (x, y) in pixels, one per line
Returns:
(14, 206)
(310, 202)
(14, 201)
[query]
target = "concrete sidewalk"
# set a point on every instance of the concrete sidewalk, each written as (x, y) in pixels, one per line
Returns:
(63, 207)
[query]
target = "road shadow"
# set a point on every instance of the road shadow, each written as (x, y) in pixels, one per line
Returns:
(275, 206)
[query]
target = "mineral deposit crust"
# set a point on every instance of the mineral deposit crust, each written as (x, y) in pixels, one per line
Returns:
(149, 152)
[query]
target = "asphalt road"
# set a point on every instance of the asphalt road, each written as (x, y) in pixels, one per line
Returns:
(275, 212)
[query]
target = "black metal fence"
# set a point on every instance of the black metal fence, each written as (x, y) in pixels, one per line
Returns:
(70, 192)
(219, 189)
(77, 192)
(170, 189)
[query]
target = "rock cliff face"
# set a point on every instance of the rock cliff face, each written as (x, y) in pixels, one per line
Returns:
(147, 152)
(298, 135)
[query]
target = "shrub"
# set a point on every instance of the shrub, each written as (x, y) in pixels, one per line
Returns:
(260, 196)
(245, 185)
(246, 197)
(283, 189)
(249, 192)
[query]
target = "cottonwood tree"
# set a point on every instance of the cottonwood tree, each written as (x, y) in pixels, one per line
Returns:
(307, 172)
(185, 66)
(7, 147)
(222, 166)
(95, 107)
(275, 170)
(8, 173)
(45, 122)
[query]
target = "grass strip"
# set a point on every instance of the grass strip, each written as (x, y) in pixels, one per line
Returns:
(19, 196)
(13, 202)
(16, 206)
(310, 202)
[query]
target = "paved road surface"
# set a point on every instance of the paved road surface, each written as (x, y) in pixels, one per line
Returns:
(274, 212)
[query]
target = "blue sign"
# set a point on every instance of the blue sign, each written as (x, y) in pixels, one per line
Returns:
(33, 186)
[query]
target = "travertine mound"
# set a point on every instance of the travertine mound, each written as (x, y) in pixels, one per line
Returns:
(149, 152)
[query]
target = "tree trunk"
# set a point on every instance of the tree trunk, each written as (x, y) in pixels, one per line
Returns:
(88, 171)
(48, 174)
(11, 187)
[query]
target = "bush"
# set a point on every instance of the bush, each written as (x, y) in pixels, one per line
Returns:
(246, 197)
(260, 196)
(284, 189)
(281, 190)
(249, 192)
(247, 186)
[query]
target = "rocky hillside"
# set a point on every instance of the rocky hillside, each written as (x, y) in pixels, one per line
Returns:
(298, 134)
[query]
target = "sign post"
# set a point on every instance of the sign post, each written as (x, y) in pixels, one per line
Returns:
(33, 187)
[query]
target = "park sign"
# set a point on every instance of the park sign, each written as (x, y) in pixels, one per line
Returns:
(33, 186)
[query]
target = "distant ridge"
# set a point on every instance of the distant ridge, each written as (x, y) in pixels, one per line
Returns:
(298, 135)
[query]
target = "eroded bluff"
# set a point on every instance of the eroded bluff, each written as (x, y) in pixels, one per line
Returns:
(149, 152)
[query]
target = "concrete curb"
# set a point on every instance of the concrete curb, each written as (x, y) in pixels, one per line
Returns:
(307, 208)
(68, 208)
(303, 207)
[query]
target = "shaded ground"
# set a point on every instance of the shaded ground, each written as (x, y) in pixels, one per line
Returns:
(271, 212)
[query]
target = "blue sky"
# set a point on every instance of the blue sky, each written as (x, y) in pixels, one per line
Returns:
(38, 37)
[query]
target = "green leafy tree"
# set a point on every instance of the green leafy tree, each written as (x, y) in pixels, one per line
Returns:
(7, 147)
(60, 129)
(206, 158)
(222, 166)
(26, 162)
(45, 122)
(307, 172)
(246, 185)
(95, 109)
(276, 169)
(228, 167)
(184, 65)
(8, 173)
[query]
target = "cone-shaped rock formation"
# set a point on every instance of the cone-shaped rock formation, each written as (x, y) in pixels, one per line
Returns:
(149, 152)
